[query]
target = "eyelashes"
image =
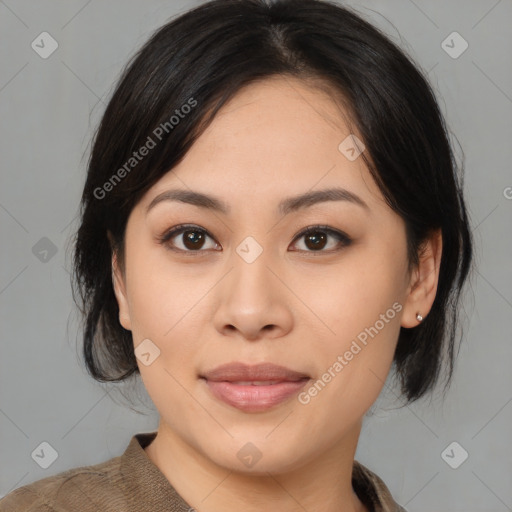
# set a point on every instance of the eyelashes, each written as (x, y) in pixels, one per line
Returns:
(167, 237)
(316, 238)
(311, 233)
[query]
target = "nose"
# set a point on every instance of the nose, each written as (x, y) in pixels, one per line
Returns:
(253, 302)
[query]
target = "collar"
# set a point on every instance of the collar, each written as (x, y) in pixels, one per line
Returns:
(148, 485)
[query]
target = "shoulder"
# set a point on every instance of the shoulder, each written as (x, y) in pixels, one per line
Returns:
(372, 490)
(87, 488)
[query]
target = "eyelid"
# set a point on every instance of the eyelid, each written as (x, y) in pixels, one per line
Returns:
(342, 237)
(179, 229)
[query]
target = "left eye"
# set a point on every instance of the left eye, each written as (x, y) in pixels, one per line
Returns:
(190, 238)
(316, 239)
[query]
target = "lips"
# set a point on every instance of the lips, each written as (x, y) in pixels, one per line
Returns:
(253, 388)
(243, 373)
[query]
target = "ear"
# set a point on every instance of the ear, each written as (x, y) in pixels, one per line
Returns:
(119, 284)
(424, 279)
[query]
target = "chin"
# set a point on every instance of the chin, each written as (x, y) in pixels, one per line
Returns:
(257, 458)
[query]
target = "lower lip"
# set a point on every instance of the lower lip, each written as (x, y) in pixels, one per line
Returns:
(254, 398)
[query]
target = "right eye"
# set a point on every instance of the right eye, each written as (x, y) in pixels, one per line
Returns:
(189, 238)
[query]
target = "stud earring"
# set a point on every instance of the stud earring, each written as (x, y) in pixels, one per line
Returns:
(419, 317)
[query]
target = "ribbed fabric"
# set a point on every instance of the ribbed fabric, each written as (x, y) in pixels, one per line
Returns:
(131, 482)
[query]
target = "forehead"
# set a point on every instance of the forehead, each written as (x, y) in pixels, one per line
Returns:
(275, 136)
(278, 114)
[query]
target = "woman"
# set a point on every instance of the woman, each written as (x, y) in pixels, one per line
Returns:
(271, 220)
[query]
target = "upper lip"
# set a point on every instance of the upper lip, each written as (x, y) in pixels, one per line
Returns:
(238, 371)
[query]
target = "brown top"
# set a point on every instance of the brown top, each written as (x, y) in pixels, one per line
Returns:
(131, 482)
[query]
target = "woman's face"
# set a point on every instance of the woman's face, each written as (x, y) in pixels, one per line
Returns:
(243, 285)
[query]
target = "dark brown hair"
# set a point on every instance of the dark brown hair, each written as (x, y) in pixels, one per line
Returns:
(208, 54)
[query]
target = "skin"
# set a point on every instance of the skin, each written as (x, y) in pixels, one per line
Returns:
(292, 306)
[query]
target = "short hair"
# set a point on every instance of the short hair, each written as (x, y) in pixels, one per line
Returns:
(202, 59)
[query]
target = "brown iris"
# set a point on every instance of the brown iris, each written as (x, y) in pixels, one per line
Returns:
(193, 239)
(315, 240)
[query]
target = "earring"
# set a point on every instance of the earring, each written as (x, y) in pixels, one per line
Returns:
(419, 317)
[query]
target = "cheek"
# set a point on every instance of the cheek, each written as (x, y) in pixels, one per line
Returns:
(165, 309)
(161, 295)
(352, 366)
(356, 327)
(348, 297)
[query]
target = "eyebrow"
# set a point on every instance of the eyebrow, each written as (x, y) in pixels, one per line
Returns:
(285, 207)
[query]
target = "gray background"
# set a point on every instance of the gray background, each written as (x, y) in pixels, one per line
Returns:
(48, 110)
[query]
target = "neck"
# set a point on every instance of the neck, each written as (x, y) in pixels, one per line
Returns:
(323, 484)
